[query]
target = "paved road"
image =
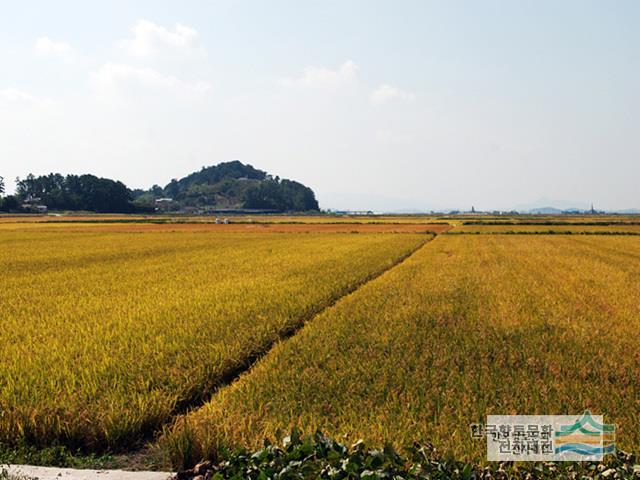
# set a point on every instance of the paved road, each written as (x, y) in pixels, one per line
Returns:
(53, 473)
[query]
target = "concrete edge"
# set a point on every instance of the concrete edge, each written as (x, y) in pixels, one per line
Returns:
(31, 472)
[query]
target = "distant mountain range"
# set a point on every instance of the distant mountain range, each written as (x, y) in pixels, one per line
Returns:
(551, 207)
(545, 210)
(531, 211)
(628, 211)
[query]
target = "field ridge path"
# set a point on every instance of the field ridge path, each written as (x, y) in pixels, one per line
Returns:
(233, 374)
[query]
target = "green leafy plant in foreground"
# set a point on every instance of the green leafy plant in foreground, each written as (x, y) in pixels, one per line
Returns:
(56, 455)
(319, 457)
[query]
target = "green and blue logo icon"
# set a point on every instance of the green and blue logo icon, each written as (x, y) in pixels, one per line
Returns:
(588, 436)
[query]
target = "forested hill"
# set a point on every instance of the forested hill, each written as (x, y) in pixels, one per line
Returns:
(233, 185)
(229, 185)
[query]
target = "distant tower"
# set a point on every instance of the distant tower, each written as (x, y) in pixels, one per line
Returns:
(593, 212)
(473, 210)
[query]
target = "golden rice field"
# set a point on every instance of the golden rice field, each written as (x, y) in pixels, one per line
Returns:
(111, 330)
(106, 334)
(234, 218)
(212, 228)
(631, 228)
(467, 326)
(544, 219)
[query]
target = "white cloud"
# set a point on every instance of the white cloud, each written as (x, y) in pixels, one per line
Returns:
(151, 39)
(115, 78)
(386, 93)
(16, 96)
(322, 77)
(46, 47)
(394, 137)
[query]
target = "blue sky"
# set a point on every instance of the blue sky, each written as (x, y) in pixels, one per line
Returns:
(382, 105)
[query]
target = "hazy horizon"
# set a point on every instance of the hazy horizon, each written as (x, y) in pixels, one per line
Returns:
(375, 105)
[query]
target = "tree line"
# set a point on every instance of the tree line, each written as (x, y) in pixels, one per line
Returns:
(70, 192)
(227, 185)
